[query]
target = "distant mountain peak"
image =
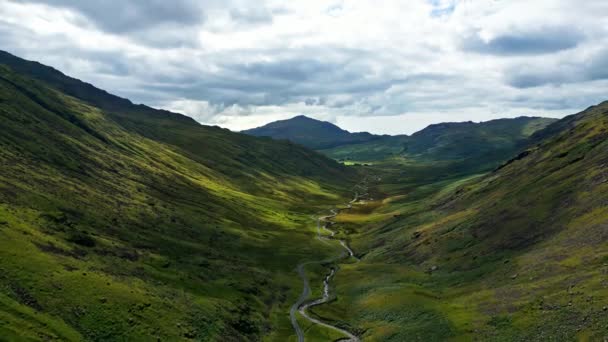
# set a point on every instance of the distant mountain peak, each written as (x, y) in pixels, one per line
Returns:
(310, 132)
(302, 116)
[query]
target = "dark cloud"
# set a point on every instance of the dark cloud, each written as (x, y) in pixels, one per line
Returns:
(209, 52)
(162, 23)
(597, 67)
(311, 101)
(279, 82)
(293, 70)
(253, 16)
(540, 41)
(167, 36)
(543, 101)
(590, 69)
(530, 79)
(134, 15)
(64, 56)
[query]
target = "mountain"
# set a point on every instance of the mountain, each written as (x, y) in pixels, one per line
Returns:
(120, 221)
(310, 132)
(459, 147)
(467, 139)
(536, 194)
(517, 254)
(491, 142)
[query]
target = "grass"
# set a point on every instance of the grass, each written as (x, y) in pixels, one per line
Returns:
(113, 217)
(515, 254)
(482, 146)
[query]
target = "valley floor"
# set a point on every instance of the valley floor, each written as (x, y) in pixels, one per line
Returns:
(545, 292)
(122, 222)
(304, 302)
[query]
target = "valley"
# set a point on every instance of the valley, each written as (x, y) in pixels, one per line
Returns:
(109, 221)
(119, 221)
(303, 303)
(517, 253)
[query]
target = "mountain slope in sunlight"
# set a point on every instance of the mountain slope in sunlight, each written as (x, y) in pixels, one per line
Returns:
(520, 253)
(113, 215)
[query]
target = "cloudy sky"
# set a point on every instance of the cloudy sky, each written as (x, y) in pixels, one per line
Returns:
(386, 66)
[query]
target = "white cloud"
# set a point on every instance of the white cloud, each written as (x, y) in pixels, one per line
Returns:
(365, 64)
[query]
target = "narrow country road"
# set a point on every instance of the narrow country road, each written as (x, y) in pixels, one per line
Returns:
(301, 305)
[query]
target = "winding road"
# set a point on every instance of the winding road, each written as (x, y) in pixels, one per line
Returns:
(301, 305)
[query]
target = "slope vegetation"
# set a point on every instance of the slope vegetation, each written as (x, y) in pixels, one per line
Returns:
(517, 254)
(460, 147)
(121, 221)
(489, 142)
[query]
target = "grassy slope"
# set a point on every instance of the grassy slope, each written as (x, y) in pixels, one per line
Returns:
(224, 151)
(111, 218)
(385, 147)
(518, 254)
(112, 215)
(462, 145)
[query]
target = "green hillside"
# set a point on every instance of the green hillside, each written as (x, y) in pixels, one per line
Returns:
(311, 133)
(461, 147)
(518, 254)
(122, 222)
(488, 142)
(372, 151)
(118, 221)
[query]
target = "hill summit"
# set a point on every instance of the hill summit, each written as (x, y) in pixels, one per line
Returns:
(310, 132)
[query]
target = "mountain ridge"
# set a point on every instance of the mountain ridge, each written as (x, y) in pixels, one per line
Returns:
(518, 253)
(112, 218)
(78, 88)
(466, 146)
(310, 132)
